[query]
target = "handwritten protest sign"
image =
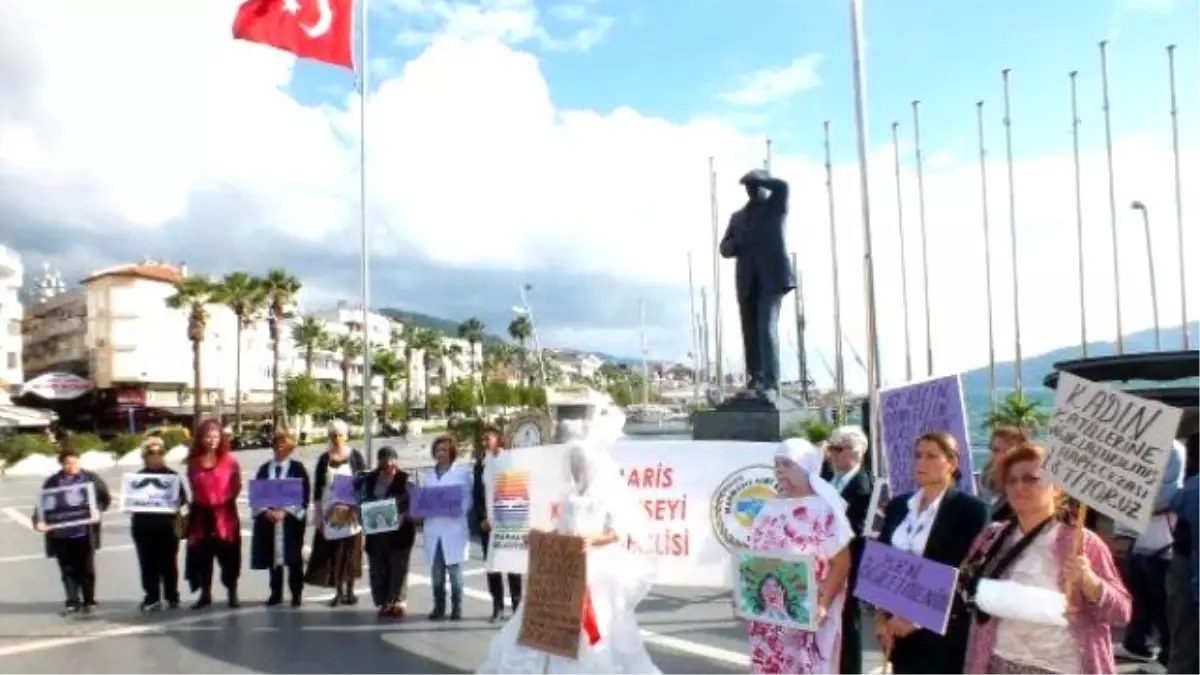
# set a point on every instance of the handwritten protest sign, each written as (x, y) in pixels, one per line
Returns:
(283, 493)
(910, 410)
(437, 501)
(553, 605)
(907, 585)
(775, 588)
(68, 506)
(343, 490)
(149, 493)
(1109, 449)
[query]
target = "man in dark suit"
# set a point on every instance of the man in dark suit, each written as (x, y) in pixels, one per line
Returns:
(763, 276)
(844, 452)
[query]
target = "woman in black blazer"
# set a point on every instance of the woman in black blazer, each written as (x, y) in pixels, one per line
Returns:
(939, 523)
(490, 444)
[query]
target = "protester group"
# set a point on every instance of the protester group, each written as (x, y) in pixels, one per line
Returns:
(1008, 580)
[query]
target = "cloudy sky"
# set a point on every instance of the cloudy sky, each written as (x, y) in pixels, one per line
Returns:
(566, 143)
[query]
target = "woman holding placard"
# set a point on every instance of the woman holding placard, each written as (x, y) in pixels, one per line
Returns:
(72, 540)
(337, 549)
(491, 444)
(446, 539)
(1044, 591)
(389, 551)
(156, 536)
(939, 523)
(807, 519)
(214, 528)
(278, 541)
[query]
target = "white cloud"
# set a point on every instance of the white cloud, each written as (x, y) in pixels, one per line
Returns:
(580, 25)
(135, 124)
(777, 83)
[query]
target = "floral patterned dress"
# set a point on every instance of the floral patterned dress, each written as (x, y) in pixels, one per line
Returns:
(803, 526)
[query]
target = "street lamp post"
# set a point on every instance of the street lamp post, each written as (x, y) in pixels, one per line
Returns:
(1139, 206)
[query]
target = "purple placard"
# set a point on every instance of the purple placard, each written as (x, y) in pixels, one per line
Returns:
(910, 410)
(281, 493)
(343, 490)
(437, 501)
(909, 586)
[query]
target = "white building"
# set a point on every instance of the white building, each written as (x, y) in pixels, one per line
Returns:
(11, 313)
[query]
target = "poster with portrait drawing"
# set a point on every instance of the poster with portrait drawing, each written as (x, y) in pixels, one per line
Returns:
(775, 588)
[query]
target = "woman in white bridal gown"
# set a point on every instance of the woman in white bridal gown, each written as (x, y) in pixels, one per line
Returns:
(599, 506)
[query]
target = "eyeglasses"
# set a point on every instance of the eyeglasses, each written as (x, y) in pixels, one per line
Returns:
(837, 448)
(1028, 480)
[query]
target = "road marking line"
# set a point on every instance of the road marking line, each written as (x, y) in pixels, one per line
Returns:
(17, 517)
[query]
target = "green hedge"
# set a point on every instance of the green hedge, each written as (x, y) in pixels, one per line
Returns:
(19, 446)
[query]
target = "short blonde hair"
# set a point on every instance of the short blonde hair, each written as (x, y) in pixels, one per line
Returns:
(850, 437)
(338, 427)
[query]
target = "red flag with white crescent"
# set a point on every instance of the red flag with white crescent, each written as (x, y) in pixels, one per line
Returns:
(321, 30)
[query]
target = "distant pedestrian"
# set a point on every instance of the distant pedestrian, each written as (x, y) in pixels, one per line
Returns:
(74, 546)
(156, 538)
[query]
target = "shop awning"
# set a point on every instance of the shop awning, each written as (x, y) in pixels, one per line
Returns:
(15, 416)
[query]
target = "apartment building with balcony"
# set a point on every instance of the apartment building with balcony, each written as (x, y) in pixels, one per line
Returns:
(12, 274)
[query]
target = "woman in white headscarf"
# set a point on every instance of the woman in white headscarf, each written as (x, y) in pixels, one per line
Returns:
(599, 506)
(807, 518)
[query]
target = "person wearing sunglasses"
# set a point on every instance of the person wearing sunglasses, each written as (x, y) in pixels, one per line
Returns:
(156, 536)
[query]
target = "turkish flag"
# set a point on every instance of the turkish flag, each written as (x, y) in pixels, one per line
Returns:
(312, 29)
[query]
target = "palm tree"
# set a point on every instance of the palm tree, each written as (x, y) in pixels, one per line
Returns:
(1018, 411)
(351, 347)
(281, 289)
(429, 343)
(391, 369)
(193, 294)
(472, 330)
(311, 335)
(245, 296)
(520, 329)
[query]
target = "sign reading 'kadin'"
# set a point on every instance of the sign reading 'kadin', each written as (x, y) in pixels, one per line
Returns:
(1109, 449)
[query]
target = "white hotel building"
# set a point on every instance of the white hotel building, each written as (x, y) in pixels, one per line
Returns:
(116, 330)
(11, 277)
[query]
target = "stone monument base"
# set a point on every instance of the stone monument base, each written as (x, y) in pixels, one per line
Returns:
(746, 419)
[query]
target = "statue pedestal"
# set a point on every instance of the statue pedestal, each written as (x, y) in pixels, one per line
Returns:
(746, 419)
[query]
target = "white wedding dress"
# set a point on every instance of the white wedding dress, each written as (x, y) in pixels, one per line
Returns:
(616, 589)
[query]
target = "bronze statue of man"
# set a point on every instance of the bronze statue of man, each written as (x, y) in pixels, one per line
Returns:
(764, 276)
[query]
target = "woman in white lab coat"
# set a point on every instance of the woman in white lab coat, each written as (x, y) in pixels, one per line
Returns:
(446, 540)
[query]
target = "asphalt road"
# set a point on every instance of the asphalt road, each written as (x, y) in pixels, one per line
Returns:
(686, 630)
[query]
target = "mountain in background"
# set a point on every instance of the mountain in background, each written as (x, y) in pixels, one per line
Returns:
(1035, 368)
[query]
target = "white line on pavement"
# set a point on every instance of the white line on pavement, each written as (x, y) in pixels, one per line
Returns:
(18, 517)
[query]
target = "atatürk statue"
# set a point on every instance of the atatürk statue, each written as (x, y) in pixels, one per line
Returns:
(764, 275)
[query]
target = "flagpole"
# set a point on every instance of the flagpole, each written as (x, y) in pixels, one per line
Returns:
(364, 87)
(718, 366)
(916, 108)
(1112, 193)
(1079, 215)
(1178, 198)
(695, 333)
(839, 373)
(1012, 229)
(987, 258)
(908, 372)
(860, 120)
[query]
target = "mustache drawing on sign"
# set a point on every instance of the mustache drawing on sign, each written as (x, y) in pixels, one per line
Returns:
(143, 483)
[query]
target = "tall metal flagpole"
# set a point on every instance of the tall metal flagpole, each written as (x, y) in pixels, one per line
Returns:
(801, 356)
(767, 160)
(1079, 215)
(916, 108)
(704, 334)
(1183, 306)
(860, 119)
(987, 258)
(719, 369)
(1012, 227)
(1112, 194)
(364, 87)
(1139, 206)
(903, 256)
(695, 333)
(839, 367)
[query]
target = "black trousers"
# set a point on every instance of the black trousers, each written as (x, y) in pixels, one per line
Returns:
(208, 554)
(851, 661)
(389, 575)
(495, 582)
(295, 579)
(1147, 581)
(77, 564)
(158, 558)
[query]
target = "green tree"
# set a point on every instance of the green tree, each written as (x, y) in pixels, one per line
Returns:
(303, 395)
(246, 297)
(391, 369)
(429, 343)
(1018, 411)
(460, 397)
(472, 330)
(310, 335)
(281, 289)
(350, 347)
(520, 329)
(499, 392)
(193, 295)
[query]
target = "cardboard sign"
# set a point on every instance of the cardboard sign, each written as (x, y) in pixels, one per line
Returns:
(911, 410)
(68, 506)
(907, 585)
(278, 493)
(380, 516)
(342, 489)
(150, 493)
(553, 605)
(776, 589)
(1109, 449)
(437, 501)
